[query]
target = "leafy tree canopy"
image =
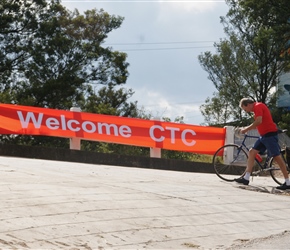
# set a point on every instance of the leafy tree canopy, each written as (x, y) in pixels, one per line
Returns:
(247, 63)
(52, 57)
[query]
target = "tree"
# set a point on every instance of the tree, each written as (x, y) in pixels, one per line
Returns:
(107, 100)
(50, 56)
(269, 13)
(67, 58)
(215, 110)
(55, 58)
(18, 23)
(247, 64)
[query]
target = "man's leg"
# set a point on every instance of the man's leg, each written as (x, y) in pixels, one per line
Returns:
(282, 165)
(283, 168)
(251, 159)
(273, 148)
(250, 163)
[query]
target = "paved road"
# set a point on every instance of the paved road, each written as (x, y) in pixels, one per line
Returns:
(63, 205)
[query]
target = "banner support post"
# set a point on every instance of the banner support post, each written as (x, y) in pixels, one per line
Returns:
(155, 152)
(75, 142)
(230, 139)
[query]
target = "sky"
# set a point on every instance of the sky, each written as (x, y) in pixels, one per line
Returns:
(162, 40)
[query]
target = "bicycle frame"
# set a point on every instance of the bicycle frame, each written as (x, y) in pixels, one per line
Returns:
(263, 167)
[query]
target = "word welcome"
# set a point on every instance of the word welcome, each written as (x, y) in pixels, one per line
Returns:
(26, 120)
(100, 127)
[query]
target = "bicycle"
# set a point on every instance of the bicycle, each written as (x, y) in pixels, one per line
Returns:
(230, 162)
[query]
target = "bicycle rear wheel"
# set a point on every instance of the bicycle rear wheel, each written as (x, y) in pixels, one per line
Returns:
(276, 172)
(230, 162)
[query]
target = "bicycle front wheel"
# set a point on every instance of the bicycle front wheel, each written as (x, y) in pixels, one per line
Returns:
(230, 162)
(276, 172)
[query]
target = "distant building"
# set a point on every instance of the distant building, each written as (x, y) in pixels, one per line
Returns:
(284, 90)
(284, 79)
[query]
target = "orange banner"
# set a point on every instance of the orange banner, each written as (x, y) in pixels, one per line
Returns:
(28, 120)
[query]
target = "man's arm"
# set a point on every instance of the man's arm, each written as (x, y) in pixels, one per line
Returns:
(256, 123)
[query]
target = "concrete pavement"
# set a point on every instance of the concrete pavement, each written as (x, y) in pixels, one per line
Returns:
(63, 205)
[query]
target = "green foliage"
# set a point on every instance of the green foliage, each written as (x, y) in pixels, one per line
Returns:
(19, 20)
(268, 13)
(248, 62)
(52, 57)
(107, 100)
(284, 122)
(216, 110)
(282, 118)
(41, 141)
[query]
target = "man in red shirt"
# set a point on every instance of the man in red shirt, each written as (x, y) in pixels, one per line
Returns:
(268, 139)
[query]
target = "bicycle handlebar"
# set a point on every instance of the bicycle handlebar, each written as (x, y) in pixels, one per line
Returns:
(239, 134)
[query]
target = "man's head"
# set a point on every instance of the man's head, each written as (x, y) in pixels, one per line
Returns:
(247, 104)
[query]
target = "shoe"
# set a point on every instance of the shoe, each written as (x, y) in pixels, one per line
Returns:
(242, 181)
(283, 187)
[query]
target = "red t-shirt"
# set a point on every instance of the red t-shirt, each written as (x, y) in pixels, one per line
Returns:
(267, 125)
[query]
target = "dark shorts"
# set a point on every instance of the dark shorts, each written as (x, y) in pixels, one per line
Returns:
(268, 143)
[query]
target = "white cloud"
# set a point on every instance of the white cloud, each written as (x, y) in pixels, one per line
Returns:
(160, 106)
(188, 6)
(167, 80)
